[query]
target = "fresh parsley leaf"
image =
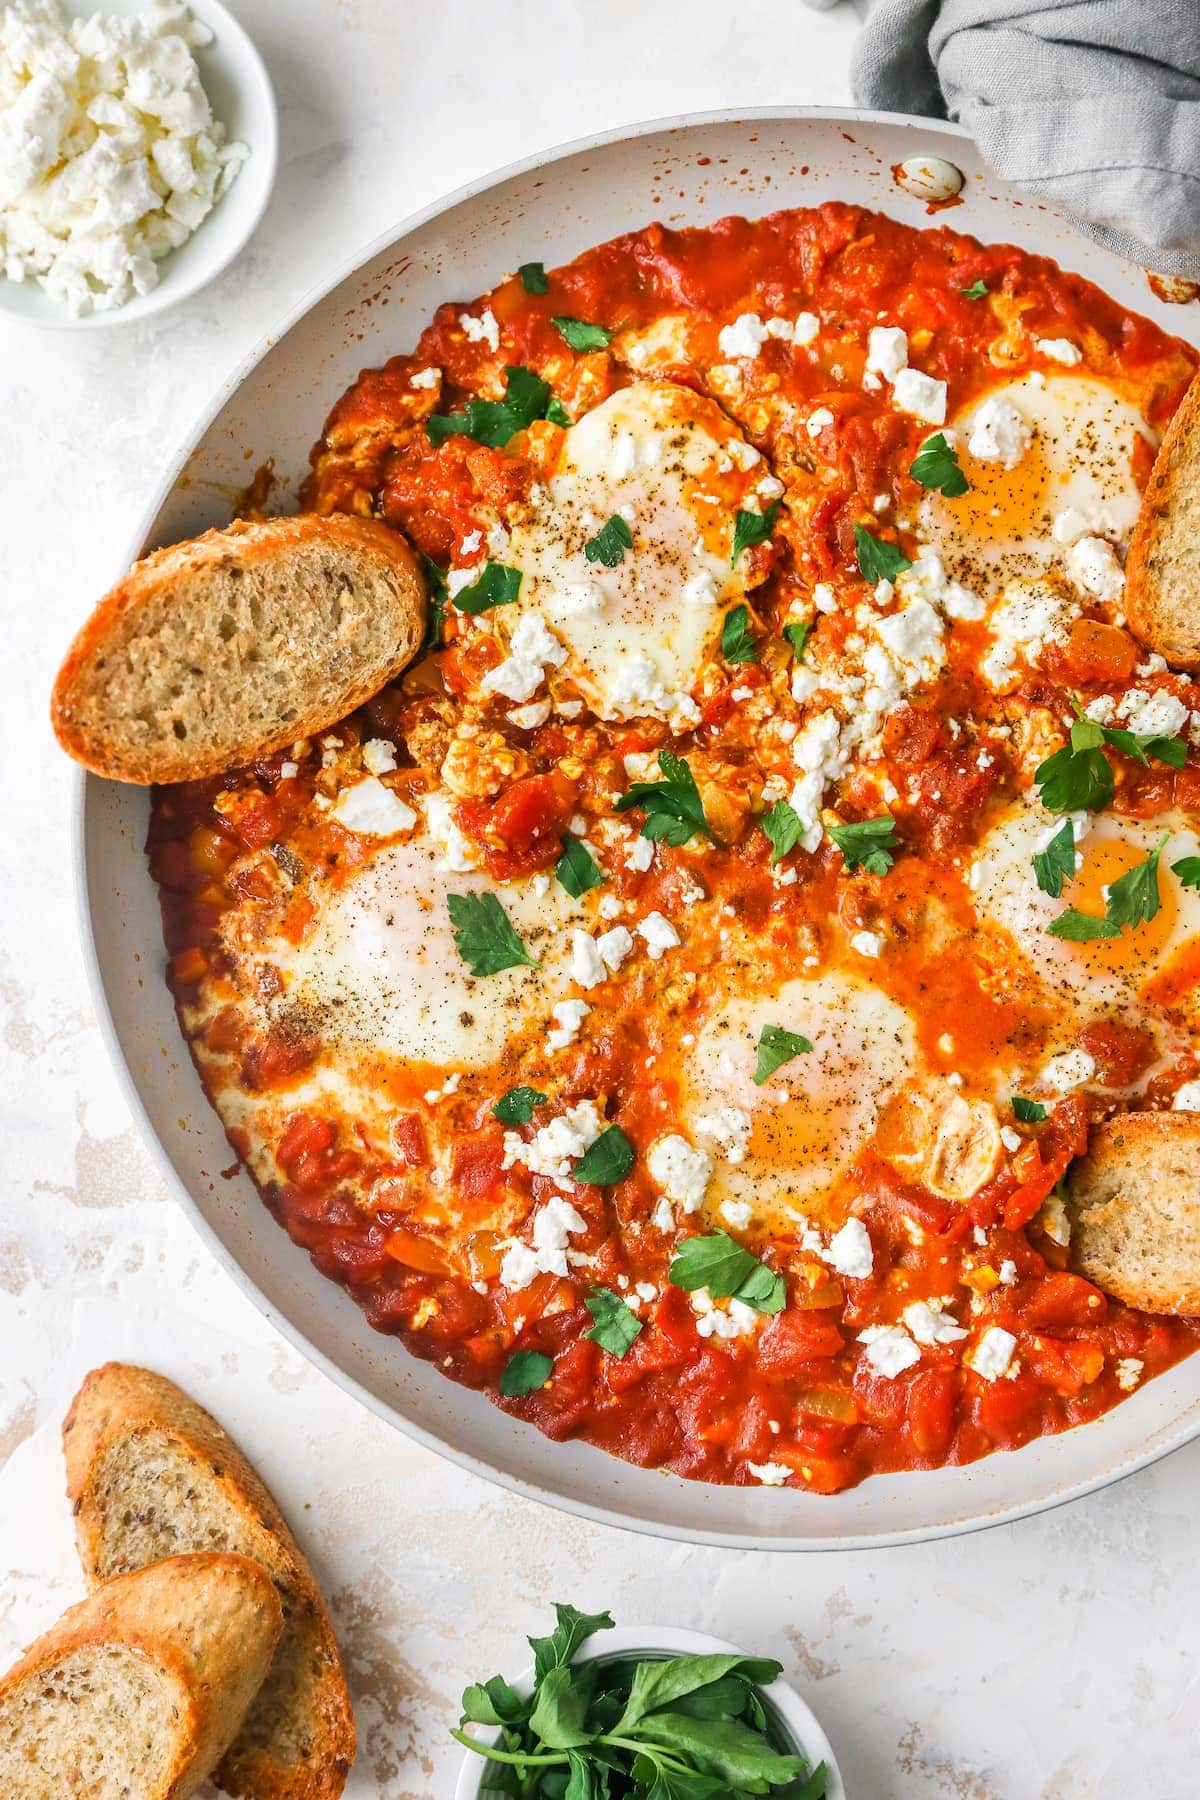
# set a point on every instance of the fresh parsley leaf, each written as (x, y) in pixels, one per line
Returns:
(1030, 1112)
(662, 1684)
(936, 466)
(610, 543)
(877, 559)
(1079, 777)
(581, 335)
(497, 586)
(494, 422)
(516, 1107)
(753, 528)
(484, 936)
(1056, 863)
(781, 828)
(734, 1753)
(557, 413)
(776, 1046)
(1133, 899)
(572, 1630)
(577, 869)
(608, 1161)
(523, 1372)
(797, 636)
(976, 291)
(1172, 751)
(616, 1327)
(720, 1264)
(560, 1711)
(869, 842)
(1188, 871)
(737, 645)
(673, 807)
(435, 575)
(493, 1702)
(533, 278)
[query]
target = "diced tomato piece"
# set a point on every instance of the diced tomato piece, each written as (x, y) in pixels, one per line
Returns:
(1098, 652)
(796, 1338)
(931, 1405)
(1061, 1298)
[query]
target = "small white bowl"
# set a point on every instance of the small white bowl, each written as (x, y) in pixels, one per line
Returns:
(794, 1722)
(236, 82)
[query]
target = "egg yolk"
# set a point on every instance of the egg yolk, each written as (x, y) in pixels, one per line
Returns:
(1104, 863)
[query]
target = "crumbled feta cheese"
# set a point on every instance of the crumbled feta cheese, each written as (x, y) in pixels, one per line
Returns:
(850, 1252)
(680, 1170)
(921, 395)
(379, 756)
(1092, 563)
(533, 648)
(614, 946)
(1102, 709)
(557, 1146)
(372, 809)
(576, 598)
(887, 351)
(554, 1223)
(806, 328)
(1187, 1098)
(890, 1350)
(734, 1319)
(1012, 1140)
(1055, 1220)
(867, 943)
(999, 432)
(425, 378)
(993, 1353)
(659, 934)
(568, 1016)
(729, 1128)
(638, 688)
(914, 634)
(743, 338)
(932, 1324)
(1129, 1372)
(1070, 1069)
(770, 1474)
(737, 1213)
(1031, 615)
(528, 718)
(1153, 715)
(1008, 1272)
(817, 420)
(701, 589)
(662, 1218)
(1059, 350)
(587, 965)
(639, 855)
(481, 328)
(457, 851)
(823, 598)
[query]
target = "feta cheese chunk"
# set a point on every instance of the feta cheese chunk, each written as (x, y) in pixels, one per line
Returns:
(1129, 1373)
(680, 1170)
(729, 1129)
(1059, 350)
(553, 1226)
(921, 395)
(481, 328)
(1153, 715)
(993, 1353)
(770, 1474)
(850, 1252)
(743, 338)
(568, 1016)
(999, 433)
(557, 1146)
(1092, 564)
(379, 756)
(659, 934)
(533, 648)
(932, 1324)
(890, 1350)
(887, 351)
(1070, 1069)
(372, 809)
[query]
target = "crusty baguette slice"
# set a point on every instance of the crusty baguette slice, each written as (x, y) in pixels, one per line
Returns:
(212, 652)
(138, 1691)
(1134, 1201)
(150, 1473)
(1162, 570)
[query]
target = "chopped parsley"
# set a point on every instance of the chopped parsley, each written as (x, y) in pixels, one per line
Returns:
(1030, 1112)
(1079, 777)
(608, 1161)
(1056, 863)
(615, 1327)
(581, 335)
(1143, 745)
(728, 1271)
(484, 936)
(936, 466)
(753, 528)
(523, 1372)
(577, 869)
(877, 559)
(435, 575)
(737, 645)
(516, 1107)
(781, 828)
(976, 291)
(1133, 899)
(776, 1046)
(673, 807)
(494, 422)
(1188, 871)
(497, 586)
(797, 636)
(869, 842)
(533, 278)
(610, 543)
(557, 413)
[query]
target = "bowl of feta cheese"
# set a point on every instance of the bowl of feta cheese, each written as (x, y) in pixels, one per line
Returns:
(138, 147)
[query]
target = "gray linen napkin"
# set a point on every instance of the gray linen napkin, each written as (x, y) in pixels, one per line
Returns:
(1091, 105)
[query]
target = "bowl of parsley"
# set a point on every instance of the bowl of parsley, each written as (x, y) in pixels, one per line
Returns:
(641, 1713)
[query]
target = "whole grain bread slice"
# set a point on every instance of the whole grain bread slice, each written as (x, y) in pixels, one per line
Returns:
(139, 1690)
(1134, 1201)
(236, 644)
(150, 1473)
(1162, 570)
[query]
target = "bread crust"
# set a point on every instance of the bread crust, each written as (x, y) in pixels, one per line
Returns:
(183, 575)
(1162, 592)
(121, 1408)
(1134, 1201)
(207, 1623)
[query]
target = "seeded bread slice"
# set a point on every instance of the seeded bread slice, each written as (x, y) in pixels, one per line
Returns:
(1134, 1201)
(235, 644)
(150, 1473)
(136, 1693)
(1162, 571)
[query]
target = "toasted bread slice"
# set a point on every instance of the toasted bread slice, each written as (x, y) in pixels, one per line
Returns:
(150, 1473)
(1134, 1201)
(1162, 570)
(238, 643)
(139, 1690)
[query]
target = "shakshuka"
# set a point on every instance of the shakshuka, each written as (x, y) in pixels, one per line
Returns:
(673, 1005)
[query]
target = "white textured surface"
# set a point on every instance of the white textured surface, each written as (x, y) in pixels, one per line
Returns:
(1055, 1658)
